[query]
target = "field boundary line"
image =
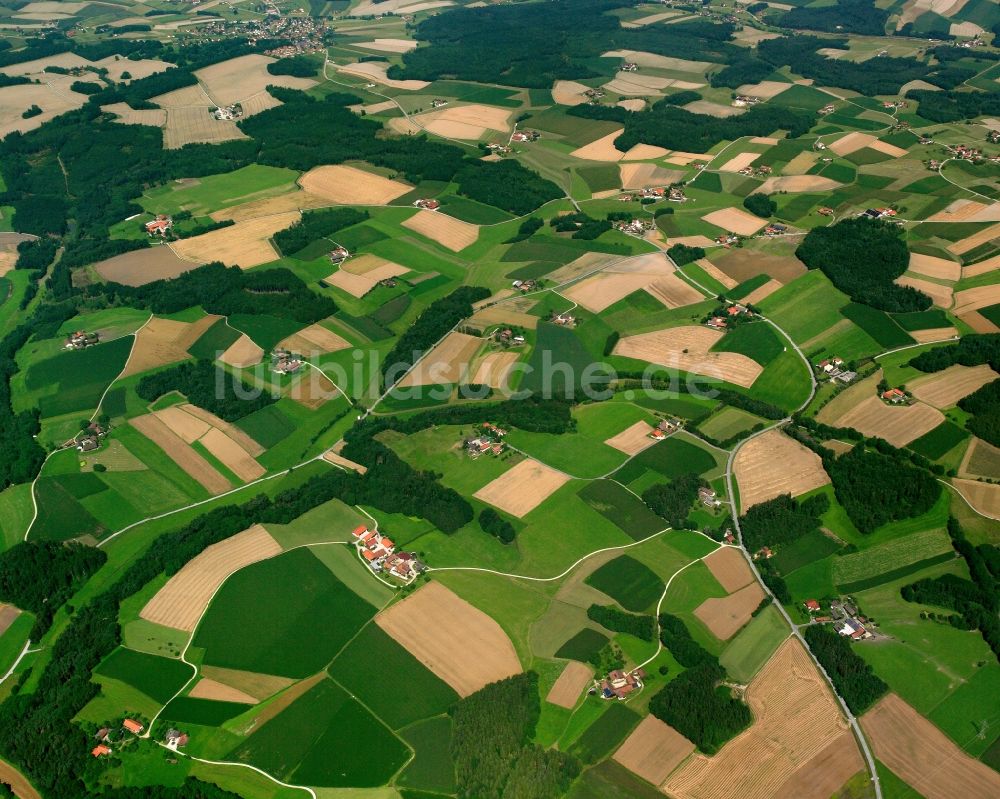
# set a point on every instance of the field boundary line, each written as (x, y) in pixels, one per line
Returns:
(263, 773)
(966, 501)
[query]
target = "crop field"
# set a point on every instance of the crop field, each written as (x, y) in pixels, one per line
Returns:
(899, 425)
(309, 617)
(374, 652)
(158, 678)
(632, 584)
(217, 339)
(939, 441)
(623, 508)
(877, 324)
(773, 464)
(164, 341)
(671, 458)
(522, 488)
(884, 559)
(75, 380)
(728, 422)
(807, 548)
(203, 712)
(568, 688)
(945, 388)
(981, 459)
(583, 645)
(432, 768)
(724, 616)
(730, 568)
(751, 648)
(653, 750)
(139, 267)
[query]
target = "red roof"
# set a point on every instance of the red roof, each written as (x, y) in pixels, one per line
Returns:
(100, 750)
(387, 543)
(132, 726)
(732, 310)
(360, 530)
(369, 555)
(812, 604)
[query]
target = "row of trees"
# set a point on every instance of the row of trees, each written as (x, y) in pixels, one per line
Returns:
(673, 500)
(853, 678)
(315, 225)
(208, 387)
(641, 625)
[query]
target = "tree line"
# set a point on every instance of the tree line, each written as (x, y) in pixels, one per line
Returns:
(852, 677)
(205, 385)
(641, 625)
(782, 520)
(673, 500)
(315, 225)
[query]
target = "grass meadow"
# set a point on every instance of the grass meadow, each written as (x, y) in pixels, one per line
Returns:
(632, 584)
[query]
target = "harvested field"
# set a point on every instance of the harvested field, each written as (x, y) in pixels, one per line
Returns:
(745, 263)
(570, 685)
(348, 185)
(766, 89)
(801, 163)
(962, 246)
(164, 341)
(232, 455)
(314, 339)
(939, 268)
(181, 453)
(960, 211)
(15, 100)
(632, 439)
(569, 92)
(713, 109)
(7, 615)
(739, 162)
(459, 643)
(798, 183)
(447, 231)
(245, 244)
(632, 83)
(389, 45)
(945, 388)
(238, 78)
(933, 334)
(464, 121)
(730, 568)
(494, 370)
(140, 267)
(372, 8)
(656, 61)
(522, 488)
(976, 298)
(585, 264)
(641, 176)
(887, 149)
(762, 292)
(899, 425)
(687, 348)
(189, 428)
(242, 353)
(982, 459)
(196, 125)
(650, 273)
(374, 108)
(714, 272)
(18, 782)
(504, 314)
(359, 283)
(653, 750)
(255, 104)
(182, 601)
(978, 322)
(851, 142)
(293, 201)
(735, 220)
(334, 457)
(141, 68)
(984, 497)
(923, 756)
(683, 159)
(692, 241)
(63, 60)
(724, 617)
(602, 149)
(375, 72)
(210, 689)
(940, 295)
(796, 719)
(231, 430)
(155, 117)
(980, 268)
(312, 389)
(448, 362)
(773, 464)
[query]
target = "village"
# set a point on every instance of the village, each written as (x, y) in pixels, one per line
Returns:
(110, 740)
(486, 442)
(379, 554)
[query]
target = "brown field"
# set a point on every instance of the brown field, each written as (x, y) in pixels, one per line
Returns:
(730, 568)
(713, 109)
(141, 68)
(569, 92)
(7, 615)
(242, 353)
(188, 427)
(653, 750)
(602, 149)
(801, 163)
(984, 497)
(796, 719)
(348, 185)
(585, 264)
(503, 314)
(644, 59)
(798, 183)
(645, 152)
(976, 298)
(207, 688)
(848, 399)
(923, 756)
(313, 339)
(494, 369)
(164, 341)
(15, 100)
(739, 162)
(643, 175)
(735, 220)
(933, 334)
(897, 425)
(445, 230)
(687, 348)
(724, 617)
(978, 322)
(359, 278)
(237, 79)
(182, 601)
(570, 684)
(632, 439)
(522, 488)
(230, 430)
(651, 273)
(887, 149)
(980, 268)
(747, 262)
(245, 244)
(232, 455)
(929, 266)
(459, 643)
(940, 295)
(766, 89)
(155, 117)
(312, 389)
(268, 206)
(982, 459)
(851, 142)
(255, 104)
(464, 121)
(181, 453)
(635, 83)
(64, 60)
(962, 246)
(18, 782)
(713, 271)
(140, 267)
(448, 362)
(334, 457)
(945, 388)
(389, 45)
(194, 124)
(761, 292)
(958, 211)
(376, 72)
(773, 464)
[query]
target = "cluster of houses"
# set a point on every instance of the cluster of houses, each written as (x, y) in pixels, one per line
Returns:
(229, 112)
(826, 110)
(89, 439)
(964, 153)
(498, 149)
(895, 396)
(825, 211)
(619, 684)
(993, 136)
(284, 362)
(878, 213)
(339, 254)
(744, 100)
(427, 204)
(81, 339)
(756, 171)
(844, 615)
(508, 338)
(380, 554)
(525, 135)
(562, 319)
(628, 66)
(633, 227)
(105, 736)
(524, 286)
(727, 240)
(487, 441)
(833, 368)
(664, 428)
(764, 553)
(673, 194)
(708, 498)
(894, 104)
(160, 226)
(594, 95)
(924, 139)
(733, 315)
(775, 229)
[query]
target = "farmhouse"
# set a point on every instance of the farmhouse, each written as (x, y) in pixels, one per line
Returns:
(826, 109)
(427, 204)
(628, 66)
(676, 195)
(81, 340)
(708, 498)
(825, 211)
(89, 439)
(811, 605)
(132, 726)
(160, 226)
(339, 254)
(853, 629)
(284, 363)
(894, 396)
(525, 135)
(619, 684)
(175, 739)
(379, 552)
(101, 750)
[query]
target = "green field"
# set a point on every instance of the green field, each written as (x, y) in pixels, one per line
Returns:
(268, 426)
(220, 191)
(371, 652)
(806, 307)
(214, 341)
(750, 648)
(582, 646)
(76, 379)
(728, 422)
(308, 617)
(159, 678)
(606, 733)
(432, 768)
(609, 780)
(809, 547)
(632, 584)
(671, 458)
(939, 441)
(623, 508)
(877, 324)
(204, 712)
(850, 571)
(756, 340)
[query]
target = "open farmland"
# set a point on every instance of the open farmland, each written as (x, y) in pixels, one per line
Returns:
(165, 341)
(799, 740)
(880, 563)
(735, 220)
(653, 750)
(447, 231)
(494, 370)
(923, 756)
(569, 687)
(772, 464)
(181, 453)
(241, 78)
(460, 644)
(632, 440)
(945, 388)
(984, 497)
(348, 185)
(650, 273)
(139, 267)
(725, 616)
(242, 353)
(182, 601)
(244, 244)
(447, 363)
(730, 568)
(362, 274)
(464, 121)
(899, 425)
(522, 488)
